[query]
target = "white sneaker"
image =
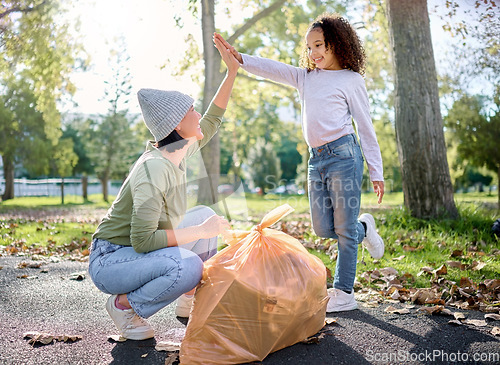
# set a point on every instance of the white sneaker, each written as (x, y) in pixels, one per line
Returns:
(184, 305)
(373, 242)
(129, 324)
(340, 301)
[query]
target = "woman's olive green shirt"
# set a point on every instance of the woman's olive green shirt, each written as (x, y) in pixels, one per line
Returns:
(153, 198)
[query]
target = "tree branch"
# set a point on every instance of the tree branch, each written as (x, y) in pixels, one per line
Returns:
(22, 10)
(248, 24)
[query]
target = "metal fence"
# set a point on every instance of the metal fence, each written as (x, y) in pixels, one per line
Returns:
(52, 187)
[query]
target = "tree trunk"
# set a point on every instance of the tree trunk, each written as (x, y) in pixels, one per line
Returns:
(104, 183)
(427, 187)
(8, 173)
(62, 191)
(207, 188)
(85, 186)
(498, 186)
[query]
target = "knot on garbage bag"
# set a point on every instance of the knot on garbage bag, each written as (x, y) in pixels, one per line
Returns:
(257, 228)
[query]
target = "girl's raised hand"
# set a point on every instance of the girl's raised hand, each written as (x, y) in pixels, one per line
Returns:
(229, 47)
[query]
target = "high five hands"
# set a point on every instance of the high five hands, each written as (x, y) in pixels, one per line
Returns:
(227, 56)
(218, 39)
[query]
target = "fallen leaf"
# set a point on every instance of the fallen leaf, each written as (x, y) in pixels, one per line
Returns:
(27, 277)
(391, 309)
(447, 312)
(476, 322)
(425, 296)
(117, 338)
(411, 248)
(386, 271)
(495, 331)
(443, 270)
(171, 358)
(399, 258)
(168, 346)
(371, 304)
(78, 276)
(456, 264)
(476, 265)
(431, 310)
(492, 316)
(45, 338)
(313, 339)
(455, 322)
(31, 265)
(459, 316)
(329, 321)
(145, 355)
(456, 253)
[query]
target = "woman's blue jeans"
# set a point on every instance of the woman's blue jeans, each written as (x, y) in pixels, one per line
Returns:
(335, 173)
(155, 279)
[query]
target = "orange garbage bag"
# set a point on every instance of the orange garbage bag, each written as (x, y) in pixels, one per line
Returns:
(260, 294)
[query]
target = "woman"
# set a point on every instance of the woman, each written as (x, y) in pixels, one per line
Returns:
(147, 250)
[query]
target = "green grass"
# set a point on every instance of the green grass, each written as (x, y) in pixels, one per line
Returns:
(44, 202)
(411, 244)
(25, 233)
(421, 242)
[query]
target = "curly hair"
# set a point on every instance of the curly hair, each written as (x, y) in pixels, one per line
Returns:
(340, 37)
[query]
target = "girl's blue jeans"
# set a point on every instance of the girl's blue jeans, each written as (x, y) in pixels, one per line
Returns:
(335, 173)
(155, 279)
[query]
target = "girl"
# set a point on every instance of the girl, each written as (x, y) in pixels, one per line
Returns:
(147, 250)
(332, 91)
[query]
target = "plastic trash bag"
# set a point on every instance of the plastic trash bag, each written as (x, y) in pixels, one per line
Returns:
(260, 294)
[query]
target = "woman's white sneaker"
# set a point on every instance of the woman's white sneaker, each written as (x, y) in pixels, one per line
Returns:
(373, 242)
(129, 324)
(340, 301)
(183, 306)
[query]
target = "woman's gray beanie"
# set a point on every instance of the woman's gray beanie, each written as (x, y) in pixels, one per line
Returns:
(163, 110)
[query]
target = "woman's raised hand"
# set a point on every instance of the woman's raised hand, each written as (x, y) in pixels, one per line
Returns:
(236, 54)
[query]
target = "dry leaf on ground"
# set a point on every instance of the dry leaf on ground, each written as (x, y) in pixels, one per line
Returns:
(391, 309)
(476, 322)
(173, 357)
(432, 310)
(492, 316)
(78, 276)
(313, 339)
(168, 346)
(117, 338)
(495, 331)
(45, 338)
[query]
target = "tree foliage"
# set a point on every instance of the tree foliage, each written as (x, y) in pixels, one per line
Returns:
(111, 142)
(263, 163)
(38, 53)
(477, 133)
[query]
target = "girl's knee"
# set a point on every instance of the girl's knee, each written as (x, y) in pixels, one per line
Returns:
(322, 231)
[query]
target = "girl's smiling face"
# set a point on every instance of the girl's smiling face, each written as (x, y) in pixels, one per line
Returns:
(318, 53)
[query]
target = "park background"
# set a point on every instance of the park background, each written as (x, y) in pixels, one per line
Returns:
(70, 125)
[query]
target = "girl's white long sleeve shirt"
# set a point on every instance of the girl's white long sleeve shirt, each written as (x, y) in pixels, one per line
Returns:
(330, 100)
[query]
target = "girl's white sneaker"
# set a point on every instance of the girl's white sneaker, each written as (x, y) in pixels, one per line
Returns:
(340, 301)
(373, 242)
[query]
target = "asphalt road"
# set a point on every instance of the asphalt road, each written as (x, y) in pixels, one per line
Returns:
(49, 301)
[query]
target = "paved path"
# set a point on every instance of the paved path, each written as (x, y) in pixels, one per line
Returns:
(51, 302)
